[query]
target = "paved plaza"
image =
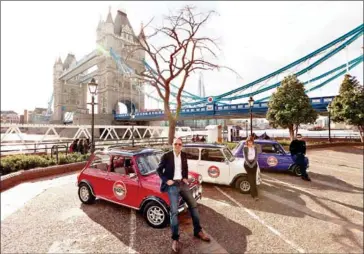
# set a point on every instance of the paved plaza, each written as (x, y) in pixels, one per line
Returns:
(322, 216)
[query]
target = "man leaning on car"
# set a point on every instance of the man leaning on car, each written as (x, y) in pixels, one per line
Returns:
(173, 171)
(298, 151)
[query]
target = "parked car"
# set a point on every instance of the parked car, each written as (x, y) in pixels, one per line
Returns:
(216, 164)
(128, 177)
(272, 156)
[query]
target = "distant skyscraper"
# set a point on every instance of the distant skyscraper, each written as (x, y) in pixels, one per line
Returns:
(201, 87)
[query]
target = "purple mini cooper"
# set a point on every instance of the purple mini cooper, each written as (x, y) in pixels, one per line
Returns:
(272, 156)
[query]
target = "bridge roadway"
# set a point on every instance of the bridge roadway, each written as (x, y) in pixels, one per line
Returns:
(212, 111)
(292, 216)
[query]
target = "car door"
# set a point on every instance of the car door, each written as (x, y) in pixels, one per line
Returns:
(123, 182)
(213, 165)
(97, 173)
(193, 157)
(270, 157)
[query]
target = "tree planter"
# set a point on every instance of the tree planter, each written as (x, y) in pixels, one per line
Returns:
(13, 179)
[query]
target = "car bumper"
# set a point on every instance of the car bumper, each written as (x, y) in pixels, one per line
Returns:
(197, 195)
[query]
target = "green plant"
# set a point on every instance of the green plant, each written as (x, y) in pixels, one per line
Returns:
(290, 106)
(348, 106)
(13, 163)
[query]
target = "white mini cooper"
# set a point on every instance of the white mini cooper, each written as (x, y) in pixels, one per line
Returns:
(216, 164)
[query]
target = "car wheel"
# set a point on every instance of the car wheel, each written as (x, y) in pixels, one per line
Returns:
(243, 185)
(296, 170)
(155, 215)
(85, 194)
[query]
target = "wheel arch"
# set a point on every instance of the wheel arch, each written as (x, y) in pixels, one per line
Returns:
(237, 177)
(155, 199)
(88, 184)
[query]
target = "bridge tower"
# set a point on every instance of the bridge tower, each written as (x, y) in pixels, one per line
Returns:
(69, 96)
(114, 87)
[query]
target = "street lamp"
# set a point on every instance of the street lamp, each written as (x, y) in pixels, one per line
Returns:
(92, 87)
(246, 128)
(251, 103)
(329, 110)
(132, 116)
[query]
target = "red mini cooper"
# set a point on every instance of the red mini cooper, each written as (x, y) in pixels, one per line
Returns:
(127, 176)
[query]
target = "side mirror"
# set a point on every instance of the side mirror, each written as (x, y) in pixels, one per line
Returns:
(227, 161)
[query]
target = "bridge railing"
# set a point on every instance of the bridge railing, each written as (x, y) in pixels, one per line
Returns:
(47, 147)
(212, 109)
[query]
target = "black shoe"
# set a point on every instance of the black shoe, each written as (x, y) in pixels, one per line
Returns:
(306, 178)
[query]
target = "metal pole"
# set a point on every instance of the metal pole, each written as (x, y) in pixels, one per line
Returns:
(132, 135)
(251, 121)
(329, 127)
(246, 128)
(92, 124)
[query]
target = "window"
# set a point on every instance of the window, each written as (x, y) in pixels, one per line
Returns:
(101, 161)
(192, 153)
(228, 154)
(122, 165)
(148, 163)
(267, 148)
(212, 155)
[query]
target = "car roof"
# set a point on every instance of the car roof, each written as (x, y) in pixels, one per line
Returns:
(204, 145)
(130, 151)
(264, 141)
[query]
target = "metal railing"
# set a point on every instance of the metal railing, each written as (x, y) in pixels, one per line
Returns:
(57, 147)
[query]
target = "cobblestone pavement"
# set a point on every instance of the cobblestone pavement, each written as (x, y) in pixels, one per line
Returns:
(322, 216)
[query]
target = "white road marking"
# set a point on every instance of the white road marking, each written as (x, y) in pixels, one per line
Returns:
(306, 191)
(132, 231)
(261, 221)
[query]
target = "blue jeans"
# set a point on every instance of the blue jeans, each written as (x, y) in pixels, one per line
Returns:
(174, 191)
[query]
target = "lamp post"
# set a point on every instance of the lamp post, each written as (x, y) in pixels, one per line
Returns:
(246, 128)
(92, 86)
(132, 116)
(329, 110)
(251, 103)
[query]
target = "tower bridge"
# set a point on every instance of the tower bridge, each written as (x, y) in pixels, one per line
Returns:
(114, 74)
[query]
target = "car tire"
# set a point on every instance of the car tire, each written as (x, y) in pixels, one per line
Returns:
(243, 185)
(85, 194)
(155, 215)
(296, 170)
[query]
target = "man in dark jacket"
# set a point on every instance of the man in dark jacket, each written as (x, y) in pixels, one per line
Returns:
(298, 151)
(173, 171)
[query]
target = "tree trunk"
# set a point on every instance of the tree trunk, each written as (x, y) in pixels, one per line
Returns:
(172, 129)
(291, 132)
(361, 132)
(296, 129)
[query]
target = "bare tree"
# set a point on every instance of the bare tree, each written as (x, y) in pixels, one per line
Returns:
(183, 51)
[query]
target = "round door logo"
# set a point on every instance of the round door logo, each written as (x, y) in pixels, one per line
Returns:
(119, 190)
(213, 171)
(272, 161)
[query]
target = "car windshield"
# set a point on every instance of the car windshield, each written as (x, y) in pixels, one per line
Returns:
(228, 154)
(148, 163)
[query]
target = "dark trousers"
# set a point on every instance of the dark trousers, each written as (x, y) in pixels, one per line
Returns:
(174, 191)
(299, 159)
(252, 179)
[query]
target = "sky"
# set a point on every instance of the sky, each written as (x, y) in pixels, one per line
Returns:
(255, 38)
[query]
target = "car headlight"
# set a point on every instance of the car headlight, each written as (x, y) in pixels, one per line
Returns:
(191, 179)
(200, 178)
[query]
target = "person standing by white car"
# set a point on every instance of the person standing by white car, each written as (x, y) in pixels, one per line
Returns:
(251, 165)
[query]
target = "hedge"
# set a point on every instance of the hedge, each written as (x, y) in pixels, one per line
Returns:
(13, 163)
